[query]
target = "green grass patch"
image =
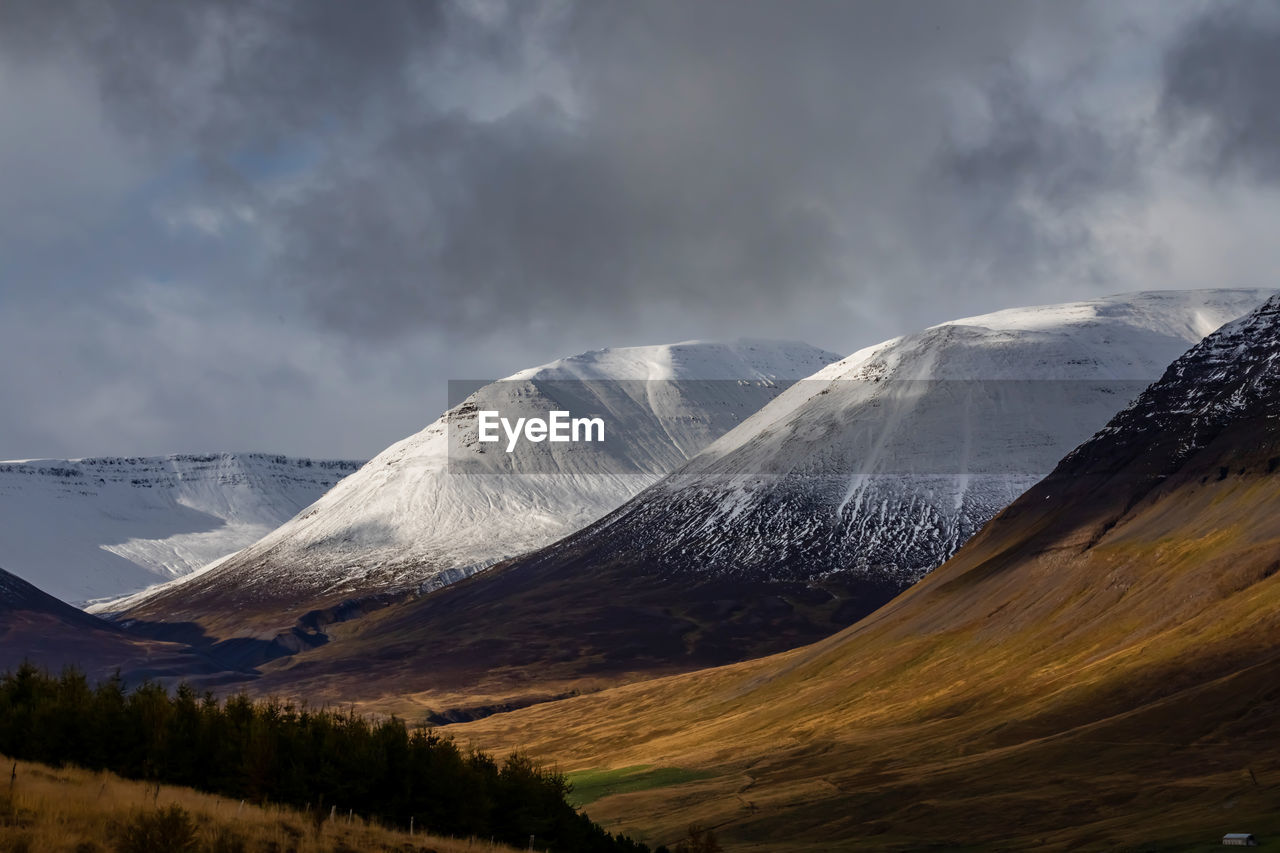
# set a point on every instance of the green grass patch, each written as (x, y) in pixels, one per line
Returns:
(592, 785)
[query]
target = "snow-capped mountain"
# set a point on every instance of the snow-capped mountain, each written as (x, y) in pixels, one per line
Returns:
(884, 463)
(1126, 606)
(440, 505)
(1230, 378)
(90, 528)
(818, 510)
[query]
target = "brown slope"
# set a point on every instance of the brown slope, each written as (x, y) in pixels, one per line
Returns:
(557, 623)
(39, 629)
(1099, 668)
(1021, 690)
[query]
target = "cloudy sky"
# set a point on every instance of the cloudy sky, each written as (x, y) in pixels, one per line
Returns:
(285, 226)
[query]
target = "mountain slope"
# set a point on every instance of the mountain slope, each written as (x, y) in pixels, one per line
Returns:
(438, 506)
(92, 528)
(769, 538)
(35, 627)
(1096, 669)
(883, 464)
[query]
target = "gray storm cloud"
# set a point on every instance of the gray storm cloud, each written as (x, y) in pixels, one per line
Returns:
(1221, 79)
(328, 196)
(720, 157)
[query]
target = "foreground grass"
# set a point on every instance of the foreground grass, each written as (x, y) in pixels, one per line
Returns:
(591, 785)
(47, 809)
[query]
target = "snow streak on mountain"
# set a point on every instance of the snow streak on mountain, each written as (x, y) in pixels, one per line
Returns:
(90, 528)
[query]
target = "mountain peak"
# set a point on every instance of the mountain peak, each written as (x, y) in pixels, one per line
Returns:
(96, 527)
(694, 360)
(432, 509)
(1230, 376)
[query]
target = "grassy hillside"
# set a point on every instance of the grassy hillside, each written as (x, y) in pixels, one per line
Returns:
(52, 810)
(1098, 669)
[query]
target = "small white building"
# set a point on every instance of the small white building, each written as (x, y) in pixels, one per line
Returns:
(1239, 839)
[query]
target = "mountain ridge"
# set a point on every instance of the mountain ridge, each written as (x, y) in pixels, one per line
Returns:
(434, 508)
(598, 606)
(98, 527)
(1095, 669)
(859, 491)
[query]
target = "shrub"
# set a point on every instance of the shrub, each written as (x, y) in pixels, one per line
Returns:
(169, 830)
(699, 840)
(228, 841)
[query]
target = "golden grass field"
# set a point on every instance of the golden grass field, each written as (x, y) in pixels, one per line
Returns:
(67, 809)
(1085, 674)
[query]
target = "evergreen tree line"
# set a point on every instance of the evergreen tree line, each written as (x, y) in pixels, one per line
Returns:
(271, 751)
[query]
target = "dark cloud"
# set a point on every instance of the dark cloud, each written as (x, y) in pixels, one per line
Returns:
(258, 206)
(1019, 201)
(227, 73)
(1221, 79)
(462, 225)
(1024, 150)
(708, 155)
